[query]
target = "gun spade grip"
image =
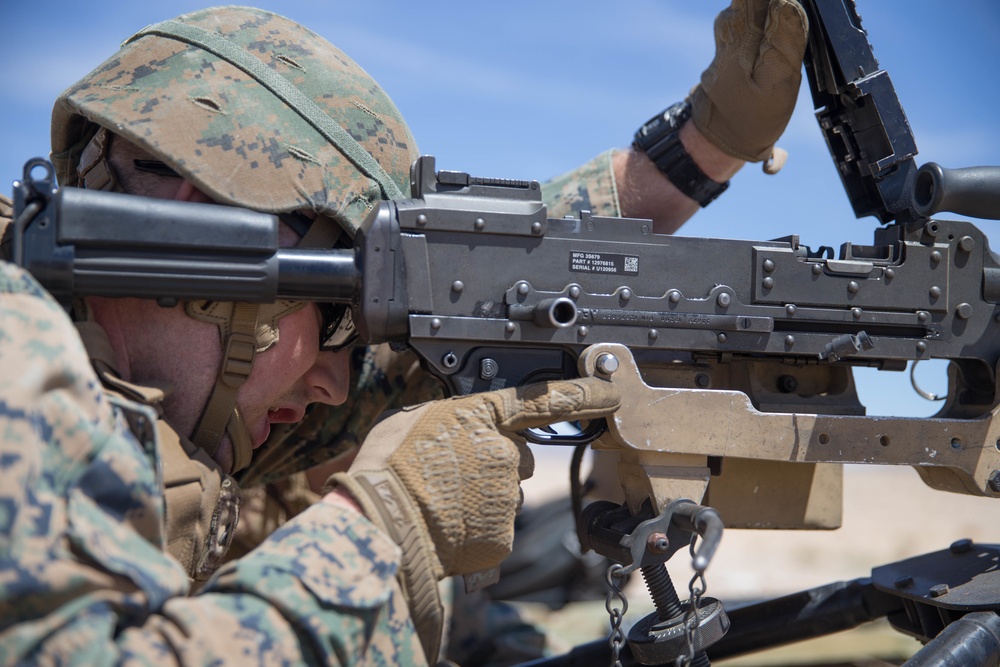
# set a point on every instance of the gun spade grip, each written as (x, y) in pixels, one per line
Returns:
(972, 191)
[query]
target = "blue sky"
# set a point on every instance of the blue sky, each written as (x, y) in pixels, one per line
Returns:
(530, 90)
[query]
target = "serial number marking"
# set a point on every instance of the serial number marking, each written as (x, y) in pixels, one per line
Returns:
(603, 262)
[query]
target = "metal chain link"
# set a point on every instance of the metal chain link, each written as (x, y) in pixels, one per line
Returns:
(617, 636)
(691, 620)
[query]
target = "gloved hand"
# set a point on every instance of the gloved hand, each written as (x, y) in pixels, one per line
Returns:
(442, 479)
(458, 462)
(746, 96)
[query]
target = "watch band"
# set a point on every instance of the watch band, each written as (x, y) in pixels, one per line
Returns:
(659, 139)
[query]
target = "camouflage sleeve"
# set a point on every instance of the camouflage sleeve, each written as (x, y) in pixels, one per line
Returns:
(590, 187)
(84, 579)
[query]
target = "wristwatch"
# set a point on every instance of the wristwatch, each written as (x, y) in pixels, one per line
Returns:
(659, 139)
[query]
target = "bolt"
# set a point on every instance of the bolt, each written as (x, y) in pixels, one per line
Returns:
(995, 481)
(964, 311)
(939, 590)
(606, 364)
(657, 543)
(966, 244)
(702, 380)
(787, 384)
(903, 582)
(961, 546)
(724, 300)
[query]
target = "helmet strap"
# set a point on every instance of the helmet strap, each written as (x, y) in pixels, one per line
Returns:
(220, 415)
(94, 171)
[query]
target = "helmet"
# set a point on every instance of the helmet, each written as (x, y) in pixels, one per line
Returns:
(256, 111)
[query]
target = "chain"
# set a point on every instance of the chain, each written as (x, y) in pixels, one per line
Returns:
(691, 620)
(617, 636)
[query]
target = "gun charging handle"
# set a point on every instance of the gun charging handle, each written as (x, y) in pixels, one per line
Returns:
(972, 191)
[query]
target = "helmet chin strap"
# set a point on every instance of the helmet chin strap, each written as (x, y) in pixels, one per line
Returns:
(221, 416)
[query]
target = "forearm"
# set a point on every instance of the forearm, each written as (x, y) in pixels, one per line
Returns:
(645, 192)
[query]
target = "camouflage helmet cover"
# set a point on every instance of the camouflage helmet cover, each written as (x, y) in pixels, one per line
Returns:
(254, 109)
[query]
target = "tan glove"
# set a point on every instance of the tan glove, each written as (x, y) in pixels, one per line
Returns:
(746, 96)
(443, 479)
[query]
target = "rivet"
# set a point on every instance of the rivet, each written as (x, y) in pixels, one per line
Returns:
(768, 282)
(606, 364)
(653, 334)
(480, 224)
(890, 274)
(421, 219)
(856, 312)
(536, 228)
(789, 340)
(790, 309)
(853, 287)
(936, 256)
(768, 265)
(457, 286)
(921, 347)
(436, 323)
(935, 292)
(574, 292)
(722, 338)
(625, 294)
(961, 546)
(817, 269)
(583, 331)
(523, 288)
(923, 316)
(488, 369)
(702, 380)
(724, 300)
(675, 296)
(510, 327)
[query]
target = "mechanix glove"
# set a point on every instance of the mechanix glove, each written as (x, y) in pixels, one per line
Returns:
(442, 479)
(746, 96)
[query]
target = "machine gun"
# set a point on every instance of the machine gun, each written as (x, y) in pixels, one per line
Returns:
(741, 406)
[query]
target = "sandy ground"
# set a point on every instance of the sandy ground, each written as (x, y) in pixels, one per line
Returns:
(889, 514)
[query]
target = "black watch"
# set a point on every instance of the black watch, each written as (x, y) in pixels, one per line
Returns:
(659, 139)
